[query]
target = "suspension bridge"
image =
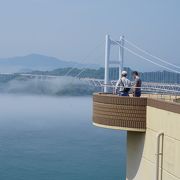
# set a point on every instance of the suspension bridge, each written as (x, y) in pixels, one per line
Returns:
(108, 84)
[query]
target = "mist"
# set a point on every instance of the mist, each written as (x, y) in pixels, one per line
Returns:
(50, 86)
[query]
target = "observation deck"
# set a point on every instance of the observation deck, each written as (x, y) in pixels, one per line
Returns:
(118, 112)
(125, 113)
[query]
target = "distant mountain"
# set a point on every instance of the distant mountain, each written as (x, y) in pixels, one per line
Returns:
(37, 62)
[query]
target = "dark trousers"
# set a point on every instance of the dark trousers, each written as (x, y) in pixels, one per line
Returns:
(137, 94)
(123, 94)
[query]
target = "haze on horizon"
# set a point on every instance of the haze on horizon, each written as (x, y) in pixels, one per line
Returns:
(69, 29)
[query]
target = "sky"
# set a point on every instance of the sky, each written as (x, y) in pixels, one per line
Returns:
(74, 30)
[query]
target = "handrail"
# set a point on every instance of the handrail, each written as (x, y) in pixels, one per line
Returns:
(158, 153)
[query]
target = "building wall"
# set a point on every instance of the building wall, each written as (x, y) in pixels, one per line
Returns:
(141, 147)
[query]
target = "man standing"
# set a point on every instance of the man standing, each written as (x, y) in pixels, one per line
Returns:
(123, 85)
(137, 84)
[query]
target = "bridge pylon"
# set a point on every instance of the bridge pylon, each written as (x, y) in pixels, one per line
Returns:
(119, 62)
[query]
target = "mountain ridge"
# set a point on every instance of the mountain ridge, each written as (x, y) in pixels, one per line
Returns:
(34, 61)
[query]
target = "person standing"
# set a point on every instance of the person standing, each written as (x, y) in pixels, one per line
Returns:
(123, 85)
(137, 84)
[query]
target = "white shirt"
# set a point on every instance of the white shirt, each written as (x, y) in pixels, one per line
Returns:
(122, 83)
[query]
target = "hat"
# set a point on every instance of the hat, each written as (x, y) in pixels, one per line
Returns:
(124, 72)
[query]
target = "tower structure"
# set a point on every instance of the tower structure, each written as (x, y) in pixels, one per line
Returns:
(119, 62)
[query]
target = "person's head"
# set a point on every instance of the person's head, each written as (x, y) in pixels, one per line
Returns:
(124, 74)
(134, 74)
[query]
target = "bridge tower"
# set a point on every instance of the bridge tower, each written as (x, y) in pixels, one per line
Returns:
(119, 62)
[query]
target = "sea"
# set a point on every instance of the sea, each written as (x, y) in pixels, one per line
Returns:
(52, 138)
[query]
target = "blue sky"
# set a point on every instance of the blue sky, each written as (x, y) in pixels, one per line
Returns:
(70, 29)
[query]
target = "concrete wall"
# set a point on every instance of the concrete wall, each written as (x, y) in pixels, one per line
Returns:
(141, 147)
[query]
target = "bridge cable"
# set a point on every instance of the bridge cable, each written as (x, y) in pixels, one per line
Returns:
(153, 56)
(82, 70)
(84, 59)
(146, 59)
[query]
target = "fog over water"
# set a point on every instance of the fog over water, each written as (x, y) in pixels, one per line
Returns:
(52, 138)
(47, 86)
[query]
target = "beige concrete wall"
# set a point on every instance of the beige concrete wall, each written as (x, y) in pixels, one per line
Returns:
(141, 147)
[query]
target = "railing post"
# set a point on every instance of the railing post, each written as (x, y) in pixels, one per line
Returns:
(107, 55)
(121, 55)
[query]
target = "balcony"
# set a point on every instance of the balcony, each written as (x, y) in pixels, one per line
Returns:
(117, 112)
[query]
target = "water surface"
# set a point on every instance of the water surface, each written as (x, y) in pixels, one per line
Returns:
(52, 138)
